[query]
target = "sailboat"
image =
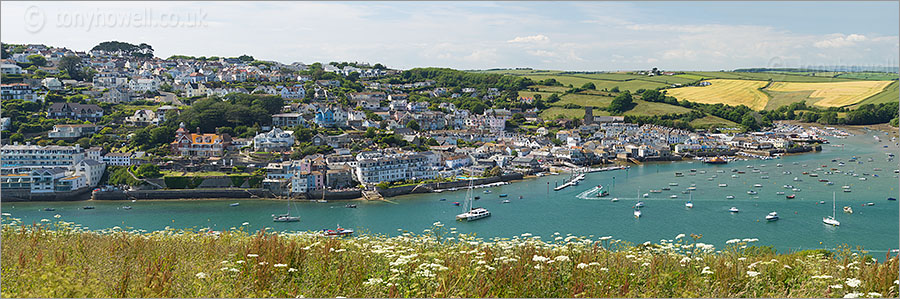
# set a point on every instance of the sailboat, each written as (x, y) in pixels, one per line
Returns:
(690, 204)
(830, 220)
(472, 213)
(637, 213)
(287, 216)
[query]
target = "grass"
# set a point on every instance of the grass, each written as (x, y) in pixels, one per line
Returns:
(193, 174)
(781, 98)
(729, 92)
(834, 94)
(61, 260)
(889, 94)
(544, 95)
(584, 100)
(553, 112)
(654, 108)
(712, 121)
(870, 76)
(577, 80)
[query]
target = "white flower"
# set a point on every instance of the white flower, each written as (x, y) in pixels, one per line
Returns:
(279, 265)
(234, 270)
(853, 295)
(540, 259)
(438, 224)
(853, 282)
(604, 269)
(788, 267)
(263, 263)
(373, 281)
(821, 277)
(679, 236)
(525, 235)
(538, 266)
(245, 223)
(252, 255)
(201, 275)
(57, 216)
(752, 273)
(837, 286)
(732, 241)
(562, 258)
(706, 270)
(240, 262)
(605, 238)
(292, 269)
(45, 220)
(742, 259)
(225, 262)
(685, 260)
(874, 294)
(582, 265)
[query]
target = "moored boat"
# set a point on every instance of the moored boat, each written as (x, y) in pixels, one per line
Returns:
(773, 216)
(733, 210)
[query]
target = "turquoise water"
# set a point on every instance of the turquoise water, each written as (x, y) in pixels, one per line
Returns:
(543, 212)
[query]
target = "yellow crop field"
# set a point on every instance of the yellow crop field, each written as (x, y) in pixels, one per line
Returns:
(725, 91)
(834, 94)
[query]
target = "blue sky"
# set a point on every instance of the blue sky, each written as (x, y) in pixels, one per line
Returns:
(480, 35)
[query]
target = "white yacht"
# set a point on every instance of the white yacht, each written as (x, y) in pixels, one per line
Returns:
(831, 220)
(734, 210)
(472, 213)
(772, 216)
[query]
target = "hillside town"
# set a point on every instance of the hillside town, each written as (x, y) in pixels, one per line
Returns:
(122, 119)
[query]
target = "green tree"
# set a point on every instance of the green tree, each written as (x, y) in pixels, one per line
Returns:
(589, 85)
(72, 66)
(623, 102)
(749, 122)
(148, 171)
(370, 132)
(413, 124)
(17, 137)
(37, 60)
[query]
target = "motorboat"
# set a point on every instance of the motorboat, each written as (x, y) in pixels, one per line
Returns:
(506, 201)
(639, 204)
(655, 191)
(88, 207)
(673, 196)
(666, 189)
(615, 199)
(504, 195)
(729, 197)
(49, 209)
(773, 216)
(456, 203)
(723, 185)
(648, 195)
(474, 214)
(350, 206)
(757, 185)
(751, 192)
(779, 193)
(487, 191)
(673, 184)
(870, 204)
(791, 196)
(733, 210)
(337, 232)
(234, 204)
(127, 207)
(689, 204)
(796, 179)
(891, 199)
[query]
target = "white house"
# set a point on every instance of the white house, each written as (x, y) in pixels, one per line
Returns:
(52, 83)
(274, 140)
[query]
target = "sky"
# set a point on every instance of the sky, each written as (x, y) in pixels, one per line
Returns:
(578, 36)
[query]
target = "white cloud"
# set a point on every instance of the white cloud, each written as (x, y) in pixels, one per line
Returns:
(839, 41)
(530, 39)
(542, 53)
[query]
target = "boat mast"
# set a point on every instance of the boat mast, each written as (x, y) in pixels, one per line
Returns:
(833, 205)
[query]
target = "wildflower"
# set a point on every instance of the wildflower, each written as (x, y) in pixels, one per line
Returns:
(685, 260)
(874, 294)
(292, 269)
(853, 282)
(821, 277)
(263, 263)
(223, 269)
(234, 270)
(340, 250)
(225, 262)
(788, 267)
(240, 262)
(540, 259)
(252, 255)
(706, 270)
(645, 264)
(57, 216)
(201, 275)
(538, 266)
(525, 235)
(438, 224)
(752, 273)
(853, 295)
(837, 286)
(562, 258)
(605, 238)
(45, 220)
(742, 259)
(604, 269)
(482, 262)
(279, 265)
(582, 265)
(373, 281)
(732, 241)
(679, 236)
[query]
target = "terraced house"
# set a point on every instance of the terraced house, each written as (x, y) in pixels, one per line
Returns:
(77, 111)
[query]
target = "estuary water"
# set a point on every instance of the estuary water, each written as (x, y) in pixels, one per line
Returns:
(536, 209)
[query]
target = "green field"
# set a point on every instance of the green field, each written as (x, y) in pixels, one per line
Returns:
(869, 76)
(544, 95)
(781, 98)
(553, 112)
(653, 108)
(584, 100)
(889, 94)
(713, 121)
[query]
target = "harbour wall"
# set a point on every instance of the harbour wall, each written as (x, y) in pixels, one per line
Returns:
(430, 187)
